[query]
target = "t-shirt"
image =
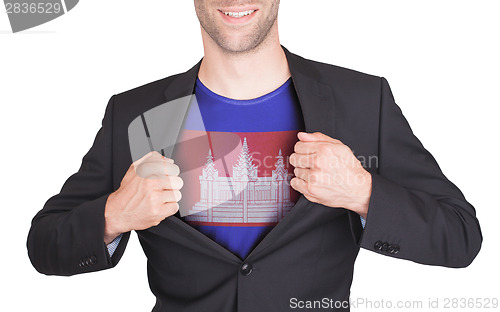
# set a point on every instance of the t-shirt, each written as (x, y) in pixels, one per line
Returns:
(234, 163)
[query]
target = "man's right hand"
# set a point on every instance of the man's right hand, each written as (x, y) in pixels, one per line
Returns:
(148, 193)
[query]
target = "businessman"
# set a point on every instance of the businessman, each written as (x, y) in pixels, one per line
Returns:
(279, 215)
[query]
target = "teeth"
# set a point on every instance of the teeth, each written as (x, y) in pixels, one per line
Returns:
(239, 14)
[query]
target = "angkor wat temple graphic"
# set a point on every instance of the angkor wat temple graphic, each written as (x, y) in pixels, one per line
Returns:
(243, 197)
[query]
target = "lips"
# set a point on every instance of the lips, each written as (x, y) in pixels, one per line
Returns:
(237, 15)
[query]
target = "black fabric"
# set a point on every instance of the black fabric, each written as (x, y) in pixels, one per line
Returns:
(310, 254)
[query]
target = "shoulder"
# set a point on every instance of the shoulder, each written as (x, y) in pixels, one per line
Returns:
(337, 75)
(129, 104)
(150, 91)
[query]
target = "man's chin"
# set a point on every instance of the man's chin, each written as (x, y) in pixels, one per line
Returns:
(239, 46)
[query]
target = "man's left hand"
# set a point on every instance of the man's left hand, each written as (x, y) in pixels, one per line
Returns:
(327, 172)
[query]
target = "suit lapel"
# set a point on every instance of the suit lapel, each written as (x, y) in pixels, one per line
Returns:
(315, 98)
(318, 107)
(183, 84)
(180, 92)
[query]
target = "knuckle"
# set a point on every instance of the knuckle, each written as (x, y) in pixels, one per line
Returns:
(172, 208)
(300, 161)
(344, 149)
(168, 196)
(173, 169)
(153, 200)
(328, 149)
(313, 177)
(148, 182)
(154, 210)
(177, 195)
(310, 189)
(316, 161)
(167, 183)
(325, 161)
(179, 182)
(157, 220)
(337, 141)
(177, 169)
(296, 147)
(144, 166)
(322, 148)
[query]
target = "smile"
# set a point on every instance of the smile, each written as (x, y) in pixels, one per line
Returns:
(239, 14)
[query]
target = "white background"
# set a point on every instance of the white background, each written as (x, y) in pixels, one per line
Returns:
(441, 59)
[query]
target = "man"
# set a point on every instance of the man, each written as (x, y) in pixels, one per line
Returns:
(248, 240)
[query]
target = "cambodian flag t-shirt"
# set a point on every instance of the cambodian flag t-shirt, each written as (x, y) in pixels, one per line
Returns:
(237, 180)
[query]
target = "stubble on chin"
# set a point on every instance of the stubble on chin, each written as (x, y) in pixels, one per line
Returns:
(247, 44)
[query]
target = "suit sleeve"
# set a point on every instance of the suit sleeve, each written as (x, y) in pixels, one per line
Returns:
(415, 212)
(67, 236)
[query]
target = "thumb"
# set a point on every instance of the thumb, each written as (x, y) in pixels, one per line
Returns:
(316, 136)
(147, 157)
(151, 157)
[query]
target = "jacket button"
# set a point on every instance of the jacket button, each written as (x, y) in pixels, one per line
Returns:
(396, 249)
(246, 269)
(93, 260)
(83, 263)
(390, 249)
(384, 246)
(378, 245)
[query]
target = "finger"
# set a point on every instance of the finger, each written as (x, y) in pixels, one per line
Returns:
(302, 173)
(316, 136)
(172, 183)
(301, 186)
(311, 176)
(152, 156)
(172, 169)
(170, 208)
(170, 160)
(314, 147)
(302, 161)
(304, 147)
(151, 170)
(157, 169)
(168, 196)
(133, 167)
(146, 156)
(161, 168)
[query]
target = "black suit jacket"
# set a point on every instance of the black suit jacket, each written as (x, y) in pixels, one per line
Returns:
(415, 212)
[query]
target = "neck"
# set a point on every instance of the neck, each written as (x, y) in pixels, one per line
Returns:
(245, 75)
